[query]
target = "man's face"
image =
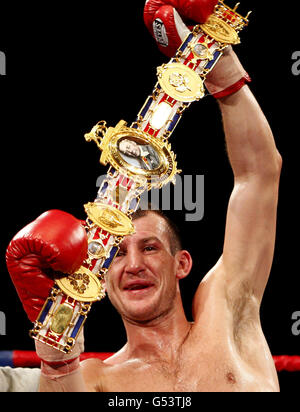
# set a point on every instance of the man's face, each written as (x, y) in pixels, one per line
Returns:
(130, 148)
(141, 282)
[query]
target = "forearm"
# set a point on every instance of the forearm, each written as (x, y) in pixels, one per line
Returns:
(249, 139)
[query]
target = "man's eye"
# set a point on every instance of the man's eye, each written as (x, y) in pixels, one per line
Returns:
(149, 248)
(121, 253)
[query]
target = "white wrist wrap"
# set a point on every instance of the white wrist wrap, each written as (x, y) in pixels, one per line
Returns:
(55, 363)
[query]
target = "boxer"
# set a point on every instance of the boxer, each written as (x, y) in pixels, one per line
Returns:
(224, 348)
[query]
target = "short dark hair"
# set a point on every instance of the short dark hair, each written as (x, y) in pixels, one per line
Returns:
(173, 230)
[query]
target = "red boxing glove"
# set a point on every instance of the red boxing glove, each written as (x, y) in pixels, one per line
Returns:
(167, 22)
(163, 19)
(56, 240)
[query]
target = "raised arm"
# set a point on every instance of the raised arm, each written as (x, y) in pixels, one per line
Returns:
(252, 210)
(256, 163)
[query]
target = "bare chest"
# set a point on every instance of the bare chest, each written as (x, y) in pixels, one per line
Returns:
(201, 372)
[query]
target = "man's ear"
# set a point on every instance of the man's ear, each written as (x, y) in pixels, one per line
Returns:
(104, 283)
(185, 263)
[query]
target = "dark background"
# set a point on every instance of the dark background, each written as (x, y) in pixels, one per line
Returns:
(73, 65)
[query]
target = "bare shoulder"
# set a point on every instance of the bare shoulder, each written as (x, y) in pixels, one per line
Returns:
(228, 312)
(210, 297)
(227, 309)
(93, 371)
(215, 294)
(100, 376)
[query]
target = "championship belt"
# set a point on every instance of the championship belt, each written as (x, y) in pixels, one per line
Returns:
(139, 158)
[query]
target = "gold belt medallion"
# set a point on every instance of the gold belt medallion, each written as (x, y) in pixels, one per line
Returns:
(219, 30)
(110, 219)
(180, 82)
(82, 285)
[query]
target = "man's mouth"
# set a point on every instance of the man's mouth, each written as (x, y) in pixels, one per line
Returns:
(138, 286)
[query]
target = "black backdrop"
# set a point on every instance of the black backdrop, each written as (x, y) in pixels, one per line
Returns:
(71, 66)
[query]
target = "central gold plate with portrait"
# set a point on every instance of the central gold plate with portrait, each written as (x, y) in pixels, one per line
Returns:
(138, 155)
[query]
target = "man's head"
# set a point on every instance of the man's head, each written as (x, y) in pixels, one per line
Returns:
(130, 148)
(170, 227)
(143, 281)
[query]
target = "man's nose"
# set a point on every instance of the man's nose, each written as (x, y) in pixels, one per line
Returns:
(134, 262)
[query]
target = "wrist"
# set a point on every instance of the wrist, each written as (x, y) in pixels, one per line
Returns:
(54, 370)
(55, 364)
(234, 88)
(54, 357)
(228, 76)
